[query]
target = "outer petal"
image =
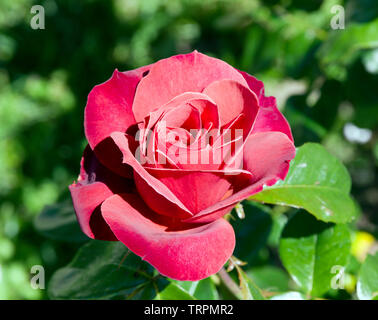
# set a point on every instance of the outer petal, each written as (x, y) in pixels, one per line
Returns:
(178, 74)
(266, 156)
(269, 118)
(190, 254)
(109, 105)
(255, 85)
(195, 158)
(95, 184)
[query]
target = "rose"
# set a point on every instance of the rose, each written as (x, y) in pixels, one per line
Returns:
(173, 147)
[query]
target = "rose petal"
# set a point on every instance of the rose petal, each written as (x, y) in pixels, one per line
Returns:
(269, 118)
(191, 254)
(197, 190)
(155, 193)
(196, 155)
(170, 114)
(95, 184)
(267, 157)
(178, 74)
(233, 99)
(254, 84)
(183, 116)
(268, 154)
(209, 112)
(109, 105)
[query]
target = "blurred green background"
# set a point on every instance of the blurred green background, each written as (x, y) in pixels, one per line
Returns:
(326, 83)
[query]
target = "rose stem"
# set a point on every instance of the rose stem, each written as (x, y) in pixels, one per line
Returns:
(229, 283)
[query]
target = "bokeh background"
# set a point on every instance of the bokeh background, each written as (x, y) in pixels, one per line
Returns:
(326, 83)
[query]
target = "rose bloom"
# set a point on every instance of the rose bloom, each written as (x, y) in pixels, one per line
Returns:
(172, 148)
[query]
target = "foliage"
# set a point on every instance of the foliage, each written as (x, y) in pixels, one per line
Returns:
(323, 215)
(316, 182)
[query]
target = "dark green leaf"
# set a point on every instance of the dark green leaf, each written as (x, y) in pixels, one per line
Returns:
(270, 278)
(103, 270)
(58, 222)
(279, 222)
(311, 251)
(317, 182)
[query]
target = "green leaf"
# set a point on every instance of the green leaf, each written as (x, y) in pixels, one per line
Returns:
(270, 278)
(367, 285)
(317, 182)
(203, 290)
(58, 222)
(313, 252)
(253, 231)
(279, 222)
(104, 270)
(249, 290)
(174, 292)
(291, 295)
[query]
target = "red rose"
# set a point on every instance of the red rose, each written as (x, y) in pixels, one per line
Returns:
(173, 147)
